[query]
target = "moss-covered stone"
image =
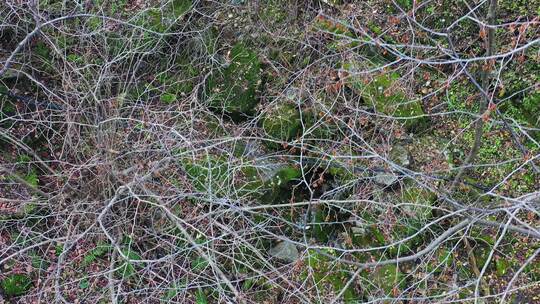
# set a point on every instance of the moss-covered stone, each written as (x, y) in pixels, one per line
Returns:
(384, 94)
(209, 174)
(327, 274)
(234, 89)
(160, 19)
(319, 127)
(419, 202)
(282, 123)
(387, 277)
(268, 183)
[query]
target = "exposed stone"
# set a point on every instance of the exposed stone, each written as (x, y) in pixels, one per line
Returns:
(358, 231)
(285, 251)
(385, 179)
(400, 155)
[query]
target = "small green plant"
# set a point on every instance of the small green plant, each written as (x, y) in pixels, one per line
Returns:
(16, 284)
(99, 251)
(168, 98)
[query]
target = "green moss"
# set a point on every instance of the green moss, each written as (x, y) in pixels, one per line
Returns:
(168, 98)
(387, 277)
(502, 266)
(208, 173)
(319, 128)
(226, 178)
(421, 201)
(252, 182)
(234, 89)
(282, 123)
(286, 175)
(385, 95)
(327, 274)
(161, 19)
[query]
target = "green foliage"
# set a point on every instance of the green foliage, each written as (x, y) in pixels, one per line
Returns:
(127, 268)
(405, 4)
(519, 7)
(99, 251)
(16, 284)
(168, 98)
(173, 291)
(42, 50)
(199, 264)
(38, 262)
(500, 158)
(234, 89)
(200, 297)
(84, 283)
(458, 94)
(32, 178)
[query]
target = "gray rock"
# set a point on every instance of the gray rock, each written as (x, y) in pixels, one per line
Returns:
(400, 155)
(8, 74)
(285, 251)
(358, 231)
(385, 179)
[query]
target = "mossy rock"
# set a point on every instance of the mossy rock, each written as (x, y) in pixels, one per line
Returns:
(234, 89)
(318, 127)
(282, 123)
(420, 201)
(328, 274)
(160, 19)
(208, 173)
(385, 95)
(387, 277)
(279, 187)
(264, 183)
(393, 103)
(251, 182)
(180, 83)
(16, 284)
